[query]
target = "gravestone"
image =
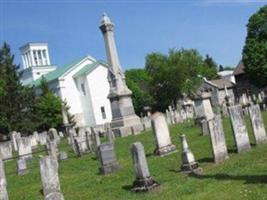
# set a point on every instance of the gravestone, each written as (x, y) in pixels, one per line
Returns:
(171, 114)
(52, 149)
(177, 117)
(203, 107)
(160, 128)
(3, 183)
(6, 150)
(168, 116)
(219, 148)
(62, 155)
(81, 145)
(89, 141)
(33, 140)
(13, 137)
(107, 158)
(43, 138)
(22, 167)
(257, 123)
(49, 177)
(239, 128)
(143, 182)
(204, 127)
(189, 163)
(24, 148)
(52, 134)
(110, 135)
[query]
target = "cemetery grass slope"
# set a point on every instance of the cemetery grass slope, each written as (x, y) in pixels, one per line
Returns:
(242, 176)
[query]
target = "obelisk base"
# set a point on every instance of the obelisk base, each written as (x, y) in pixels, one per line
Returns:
(129, 125)
(145, 184)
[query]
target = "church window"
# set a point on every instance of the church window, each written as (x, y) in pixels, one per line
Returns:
(103, 112)
(35, 57)
(83, 89)
(40, 57)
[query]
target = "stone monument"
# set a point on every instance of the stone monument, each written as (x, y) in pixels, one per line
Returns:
(219, 148)
(143, 182)
(239, 128)
(22, 167)
(123, 114)
(257, 123)
(162, 135)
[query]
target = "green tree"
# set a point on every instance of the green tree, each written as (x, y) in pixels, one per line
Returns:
(16, 101)
(138, 82)
(255, 49)
(173, 75)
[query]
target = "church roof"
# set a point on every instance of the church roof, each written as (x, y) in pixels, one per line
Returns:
(54, 75)
(239, 68)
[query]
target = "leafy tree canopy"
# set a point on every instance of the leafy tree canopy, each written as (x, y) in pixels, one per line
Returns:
(255, 49)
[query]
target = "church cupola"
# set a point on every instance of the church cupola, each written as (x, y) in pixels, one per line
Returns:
(35, 55)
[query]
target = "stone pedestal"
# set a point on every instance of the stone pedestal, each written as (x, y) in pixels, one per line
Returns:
(160, 129)
(143, 182)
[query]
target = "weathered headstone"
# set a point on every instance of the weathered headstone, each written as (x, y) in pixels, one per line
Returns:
(52, 134)
(107, 158)
(60, 133)
(239, 128)
(50, 179)
(43, 138)
(34, 142)
(143, 182)
(24, 148)
(189, 163)
(13, 137)
(162, 136)
(204, 127)
(219, 148)
(62, 155)
(257, 123)
(22, 167)
(110, 135)
(52, 149)
(81, 145)
(3, 183)
(6, 150)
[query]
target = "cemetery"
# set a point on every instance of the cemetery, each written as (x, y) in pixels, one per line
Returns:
(173, 130)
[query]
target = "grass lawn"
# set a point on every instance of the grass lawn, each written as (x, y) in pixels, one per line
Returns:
(242, 176)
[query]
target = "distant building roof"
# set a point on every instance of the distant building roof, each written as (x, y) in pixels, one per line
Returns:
(226, 73)
(239, 68)
(221, 83)
(51, 76)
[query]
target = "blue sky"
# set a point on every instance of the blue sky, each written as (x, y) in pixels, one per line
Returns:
(214, 27)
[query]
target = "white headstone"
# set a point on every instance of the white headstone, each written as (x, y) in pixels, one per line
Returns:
(24, 148)
(239, 128)
(257, 123)
(162, 136)
(219, 148)
(3, 183)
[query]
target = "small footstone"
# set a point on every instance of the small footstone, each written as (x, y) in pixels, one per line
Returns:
(22, 167)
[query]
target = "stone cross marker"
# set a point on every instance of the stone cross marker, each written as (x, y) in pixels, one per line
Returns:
(219, 148)
(162, 136)
(49, 177)
(143, 181)
(107, 158)
(3, 183)
(257, 124)
(240, 131)
(24, 148)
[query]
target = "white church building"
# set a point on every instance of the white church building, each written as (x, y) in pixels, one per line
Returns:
(83, 83)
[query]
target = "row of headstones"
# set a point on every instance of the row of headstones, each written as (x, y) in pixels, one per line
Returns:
(48, 168)
(25, 145)
(174, 116)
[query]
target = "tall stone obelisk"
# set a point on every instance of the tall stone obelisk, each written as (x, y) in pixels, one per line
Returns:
(124, 119)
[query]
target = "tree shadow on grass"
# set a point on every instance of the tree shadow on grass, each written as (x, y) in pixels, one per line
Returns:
(205, 160)
(250, 179)
(127, 187)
